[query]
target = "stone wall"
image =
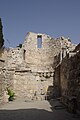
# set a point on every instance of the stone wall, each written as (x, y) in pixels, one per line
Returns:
(40, 59)
(14, 57)
(57, 87)
(70, 73)
(29, 70)
(69, 77)
(32, 85)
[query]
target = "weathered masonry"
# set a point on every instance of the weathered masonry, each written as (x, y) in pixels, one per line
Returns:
(30, 70)
(32, 66)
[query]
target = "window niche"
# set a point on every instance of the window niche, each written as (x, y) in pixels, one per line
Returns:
(39, 41)
(24, 51)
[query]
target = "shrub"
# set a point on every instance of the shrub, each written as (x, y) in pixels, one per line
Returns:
(11, 94)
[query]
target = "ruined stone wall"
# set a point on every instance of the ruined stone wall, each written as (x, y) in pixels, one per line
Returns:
(13, 61)
(14, 57)
(29, 70)
(70, 74)
(34, 79)
(61, 67)
(31, 86)
(40, 59)
(70, 77)
(67, 77)
(74, 75)
(33, 76)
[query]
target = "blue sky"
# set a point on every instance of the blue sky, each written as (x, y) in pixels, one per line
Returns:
(54, 17)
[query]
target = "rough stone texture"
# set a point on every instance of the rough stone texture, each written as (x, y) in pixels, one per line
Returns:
(30, 73)
(40, 59)
(34, 85)
(29, 70)
(14, 57)
(68, 74)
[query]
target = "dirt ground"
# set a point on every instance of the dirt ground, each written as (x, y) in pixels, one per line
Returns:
(38, 110)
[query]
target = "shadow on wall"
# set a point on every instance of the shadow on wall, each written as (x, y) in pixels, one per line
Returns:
(49, 94)
(52, 93)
